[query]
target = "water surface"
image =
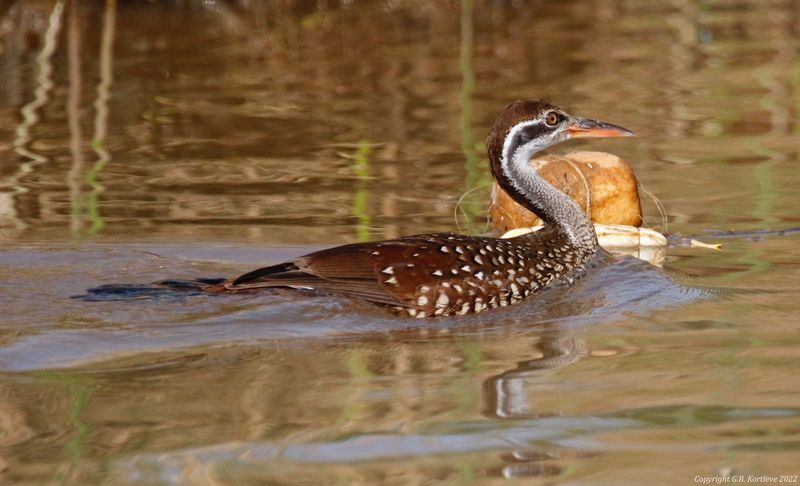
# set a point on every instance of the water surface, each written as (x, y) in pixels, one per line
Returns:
(148, 141)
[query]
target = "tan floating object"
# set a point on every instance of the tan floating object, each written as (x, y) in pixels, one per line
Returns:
(611, 183)
(642, 243)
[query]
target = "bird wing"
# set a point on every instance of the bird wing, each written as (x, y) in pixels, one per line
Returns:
(384, 272)
(434, 274)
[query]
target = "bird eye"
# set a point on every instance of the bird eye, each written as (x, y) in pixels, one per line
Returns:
(552, 119)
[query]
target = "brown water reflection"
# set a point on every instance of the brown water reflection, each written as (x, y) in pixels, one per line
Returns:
(151, 140)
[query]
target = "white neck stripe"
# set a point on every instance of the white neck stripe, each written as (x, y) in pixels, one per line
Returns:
(512, 135)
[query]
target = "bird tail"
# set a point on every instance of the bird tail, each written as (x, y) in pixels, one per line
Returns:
(164, 288)
(273, 272)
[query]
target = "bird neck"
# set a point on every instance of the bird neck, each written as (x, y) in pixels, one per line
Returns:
(524, 184)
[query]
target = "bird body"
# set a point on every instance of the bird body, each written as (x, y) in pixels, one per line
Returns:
(445, 274)
(440, 274)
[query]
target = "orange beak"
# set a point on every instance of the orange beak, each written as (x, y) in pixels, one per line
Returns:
(586, 128)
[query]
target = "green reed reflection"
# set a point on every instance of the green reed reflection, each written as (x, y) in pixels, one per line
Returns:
(101, 117)
(360, 210)
(472, 212)
(89, 206)
(80, 391)
(468, 395)
(74, 182)
(357, 367)
(767, 196)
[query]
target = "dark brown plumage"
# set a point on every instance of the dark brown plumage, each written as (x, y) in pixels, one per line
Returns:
(451, 274)
(427, 275)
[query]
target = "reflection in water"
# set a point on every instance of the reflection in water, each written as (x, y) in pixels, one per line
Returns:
(220, 159)
(12, 184)
(507, 394)
(74, 177)
(361, 169)
(79, 391)
(474, 213)
(527, 464)
(511, 395)
(101, 116)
